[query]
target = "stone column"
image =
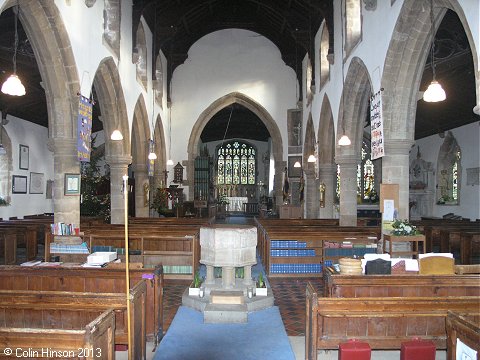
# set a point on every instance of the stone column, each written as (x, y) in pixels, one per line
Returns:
(210, 279)
(118, 168)
(278, 183)
(65, 160)
(141, 199)
(395, 170)
(311, 194)
(348, 189)
(328, 177)
(247, 275)
(228, 277)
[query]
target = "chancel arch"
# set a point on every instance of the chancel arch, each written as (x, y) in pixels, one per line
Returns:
(276, 145)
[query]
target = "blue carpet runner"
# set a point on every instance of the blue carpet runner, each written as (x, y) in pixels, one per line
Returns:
(263, 337)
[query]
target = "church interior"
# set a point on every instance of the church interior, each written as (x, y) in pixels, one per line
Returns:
(181, 178)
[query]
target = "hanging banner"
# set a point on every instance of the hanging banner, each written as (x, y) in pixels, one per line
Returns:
(376, 125)
(84, 129)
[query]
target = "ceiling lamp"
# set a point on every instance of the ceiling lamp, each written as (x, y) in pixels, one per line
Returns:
(169, 162)
(297, 164)
(434, 92)
(344, 140)
(116, 135)
(311, 158)
(152, 155)
(13, 85)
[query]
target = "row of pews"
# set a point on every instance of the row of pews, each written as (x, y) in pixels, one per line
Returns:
(86, 308)
(386, 310)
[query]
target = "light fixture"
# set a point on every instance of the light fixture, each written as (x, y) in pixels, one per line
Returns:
(116, 135)
(297, 164)
(434, 92)
(13, 85)
(344, 140)
(311, 158)
(170, 162)
(152, 155)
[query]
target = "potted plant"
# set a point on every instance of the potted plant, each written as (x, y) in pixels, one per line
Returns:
(261, 286)
(194, 289)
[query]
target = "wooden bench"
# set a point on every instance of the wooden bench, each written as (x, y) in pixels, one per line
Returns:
(464, 327)
(382, 322)
(408, 285)
(95, 339)
(104, 280)
(46, 307)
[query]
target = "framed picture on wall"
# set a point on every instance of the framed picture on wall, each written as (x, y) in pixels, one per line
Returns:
(72, 184)
(36, 183)
(19, 184)
(23, 159)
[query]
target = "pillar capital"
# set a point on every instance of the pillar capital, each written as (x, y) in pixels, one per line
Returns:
(347, 159)
(65, 146)
(398, 146)
(118, 160)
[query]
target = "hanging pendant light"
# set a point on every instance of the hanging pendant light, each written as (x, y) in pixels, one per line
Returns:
(13, 86)
(434, 92)
(344, 141)
(311, 158)
(116, 135)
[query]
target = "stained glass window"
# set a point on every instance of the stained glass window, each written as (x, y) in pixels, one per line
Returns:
(236, 163)
(366, 191)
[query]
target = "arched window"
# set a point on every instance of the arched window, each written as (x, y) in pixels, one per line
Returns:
(366, 176)
(449, 170)
(353, 24)
(324, 64)
(236, 164)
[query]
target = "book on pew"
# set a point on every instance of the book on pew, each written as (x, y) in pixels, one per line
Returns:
(31, 263)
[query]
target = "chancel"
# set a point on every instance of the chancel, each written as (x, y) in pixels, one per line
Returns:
(308, 123)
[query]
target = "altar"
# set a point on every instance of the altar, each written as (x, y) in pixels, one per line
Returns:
(235, 203)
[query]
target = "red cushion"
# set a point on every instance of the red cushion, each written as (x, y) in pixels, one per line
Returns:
(417, 349)
(354, 350)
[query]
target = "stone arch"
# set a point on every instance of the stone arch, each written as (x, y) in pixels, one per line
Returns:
(404, 62)
(357, 89)
(326, 134)
(114, 113)
(309, 143)
(406, 56)
(140, 149)
(327, 170)
(113, 108)
(47, 34)
(50, 42)
(161, 151)
(140, 133)
(139, 55)
(257, 109)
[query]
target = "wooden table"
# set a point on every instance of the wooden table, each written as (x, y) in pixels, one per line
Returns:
(415, 240)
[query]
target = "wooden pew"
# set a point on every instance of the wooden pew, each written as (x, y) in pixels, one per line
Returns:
(104, 280)
(382, 322)
(95, 339)
(464, 327)
(44, 308)
(408, 285)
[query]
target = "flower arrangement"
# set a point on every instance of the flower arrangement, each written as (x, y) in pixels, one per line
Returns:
(222, 199)
(160, 200)
(403, 228)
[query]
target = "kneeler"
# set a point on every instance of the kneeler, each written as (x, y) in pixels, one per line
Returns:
(354, 350)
